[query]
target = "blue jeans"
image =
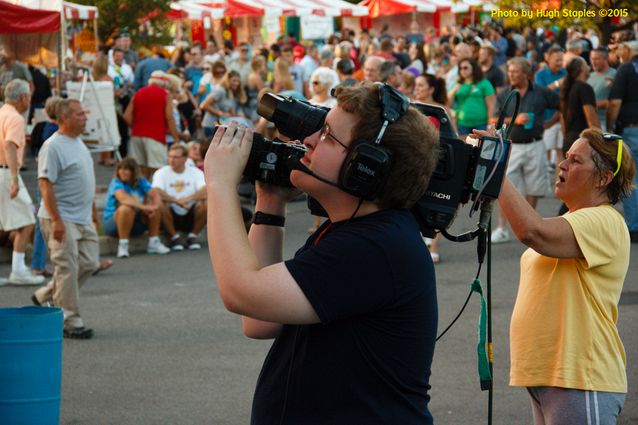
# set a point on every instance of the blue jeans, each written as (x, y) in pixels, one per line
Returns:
(630, 203)
(39, 256)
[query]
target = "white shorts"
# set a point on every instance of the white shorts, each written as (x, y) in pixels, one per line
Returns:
(553, 137)
(15, 213)
(527, 168)
(148, 152)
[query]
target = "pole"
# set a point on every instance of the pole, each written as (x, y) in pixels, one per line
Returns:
(490, 352)
(58, 77)
(97, 39)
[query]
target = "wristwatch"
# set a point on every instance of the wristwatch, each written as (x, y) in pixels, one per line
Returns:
(269, 219)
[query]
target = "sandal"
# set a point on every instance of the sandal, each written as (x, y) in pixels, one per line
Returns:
(436, 258)
(104, 265)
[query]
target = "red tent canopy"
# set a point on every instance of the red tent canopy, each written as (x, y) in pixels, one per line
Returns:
(236, 9)
(17, 19)
(378, 8)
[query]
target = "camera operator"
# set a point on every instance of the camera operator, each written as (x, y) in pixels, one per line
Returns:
(354, 313)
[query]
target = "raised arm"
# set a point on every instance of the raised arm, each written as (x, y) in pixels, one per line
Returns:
(552, 237)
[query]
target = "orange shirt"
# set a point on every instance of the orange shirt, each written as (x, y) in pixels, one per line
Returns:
(11, 131)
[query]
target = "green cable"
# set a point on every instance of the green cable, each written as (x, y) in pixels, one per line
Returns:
(481, 348)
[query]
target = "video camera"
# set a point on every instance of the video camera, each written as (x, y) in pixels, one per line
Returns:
(463, 172)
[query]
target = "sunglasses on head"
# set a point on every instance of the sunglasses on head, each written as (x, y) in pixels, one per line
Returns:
(608, 137)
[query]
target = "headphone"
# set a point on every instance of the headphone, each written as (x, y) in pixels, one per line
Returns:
(365, 168)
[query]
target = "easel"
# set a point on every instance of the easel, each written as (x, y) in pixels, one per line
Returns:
(114, 142)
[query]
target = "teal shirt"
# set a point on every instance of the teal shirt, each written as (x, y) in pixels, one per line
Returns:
(471, 109)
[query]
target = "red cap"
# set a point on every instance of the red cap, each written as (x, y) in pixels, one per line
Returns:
(298, 52)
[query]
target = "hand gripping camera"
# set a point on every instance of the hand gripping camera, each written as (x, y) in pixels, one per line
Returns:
(297, 120)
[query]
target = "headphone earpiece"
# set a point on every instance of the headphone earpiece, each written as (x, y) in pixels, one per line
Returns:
(364, 170)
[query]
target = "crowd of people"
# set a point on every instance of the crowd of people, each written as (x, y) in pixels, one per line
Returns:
(170, 106)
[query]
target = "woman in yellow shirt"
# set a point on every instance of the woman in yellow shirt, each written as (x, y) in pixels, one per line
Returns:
(564, 344)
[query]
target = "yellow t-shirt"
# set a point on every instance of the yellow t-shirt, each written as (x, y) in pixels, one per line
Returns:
(563, 331)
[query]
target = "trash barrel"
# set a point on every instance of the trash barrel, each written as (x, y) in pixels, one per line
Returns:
(30, 365)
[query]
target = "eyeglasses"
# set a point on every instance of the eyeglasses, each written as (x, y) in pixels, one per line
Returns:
(610, 138)
(325, 132)
(464, 68)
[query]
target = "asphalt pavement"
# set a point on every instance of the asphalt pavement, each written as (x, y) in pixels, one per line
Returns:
(165, 350)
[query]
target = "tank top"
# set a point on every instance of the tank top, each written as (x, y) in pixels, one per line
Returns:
(149, 116)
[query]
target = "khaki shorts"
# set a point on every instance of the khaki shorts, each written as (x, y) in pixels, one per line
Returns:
(15, 213)
(148, 152)
(527, 168)
(553, 137)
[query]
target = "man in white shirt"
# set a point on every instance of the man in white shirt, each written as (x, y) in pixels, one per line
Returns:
(183, 192)
(120, 69)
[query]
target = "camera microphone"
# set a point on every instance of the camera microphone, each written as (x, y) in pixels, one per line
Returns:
(294, 163)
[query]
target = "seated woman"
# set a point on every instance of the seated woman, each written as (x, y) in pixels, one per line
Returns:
(131, 208)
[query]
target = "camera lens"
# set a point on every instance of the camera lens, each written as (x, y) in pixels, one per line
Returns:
(293, 118)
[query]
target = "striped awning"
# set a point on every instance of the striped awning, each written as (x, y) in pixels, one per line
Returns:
(79, 11)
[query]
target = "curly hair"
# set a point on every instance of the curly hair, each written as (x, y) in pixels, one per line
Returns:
(604, 155)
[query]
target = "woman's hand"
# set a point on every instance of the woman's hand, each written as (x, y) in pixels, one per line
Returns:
(227, 155)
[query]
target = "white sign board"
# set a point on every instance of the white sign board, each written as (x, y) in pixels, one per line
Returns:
(101, 124)
(316, 27)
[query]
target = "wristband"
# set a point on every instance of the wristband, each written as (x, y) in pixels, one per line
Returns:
(269, 219)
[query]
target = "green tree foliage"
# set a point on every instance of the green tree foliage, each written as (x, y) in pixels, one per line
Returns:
(597, 14)
(117, 14)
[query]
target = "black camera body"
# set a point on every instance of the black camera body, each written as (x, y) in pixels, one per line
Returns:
(267, 160)
(294, 118)
(463, 172)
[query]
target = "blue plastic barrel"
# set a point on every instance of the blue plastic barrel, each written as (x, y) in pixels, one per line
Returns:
(30, 365)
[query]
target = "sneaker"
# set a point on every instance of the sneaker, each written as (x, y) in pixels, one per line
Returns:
(25, 278)
(191, 243)
(122, 250)
(78, 333)
(176, 244)
(157, 248)
(500, 236)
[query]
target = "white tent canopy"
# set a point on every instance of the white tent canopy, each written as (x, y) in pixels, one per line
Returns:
(68, 9)
(197, 11)
(329, 8)
(78, 11)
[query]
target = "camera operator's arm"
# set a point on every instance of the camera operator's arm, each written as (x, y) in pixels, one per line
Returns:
(551, 237)
(267, 242)
(265, 293)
